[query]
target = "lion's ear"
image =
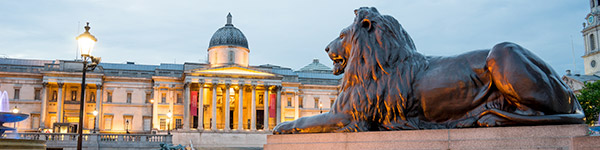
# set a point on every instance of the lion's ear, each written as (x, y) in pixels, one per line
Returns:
(366, 23)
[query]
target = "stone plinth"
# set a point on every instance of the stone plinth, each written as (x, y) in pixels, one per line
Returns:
(22, 144)
(528, 137)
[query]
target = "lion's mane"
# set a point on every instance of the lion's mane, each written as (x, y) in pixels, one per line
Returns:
(382, 65)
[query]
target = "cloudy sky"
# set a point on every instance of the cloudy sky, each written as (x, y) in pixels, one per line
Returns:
(285, 33)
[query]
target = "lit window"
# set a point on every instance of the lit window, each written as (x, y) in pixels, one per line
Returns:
(92, 97)
(148, 97)
(73, 95)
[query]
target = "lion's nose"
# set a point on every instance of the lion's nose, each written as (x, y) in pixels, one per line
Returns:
(327, 49)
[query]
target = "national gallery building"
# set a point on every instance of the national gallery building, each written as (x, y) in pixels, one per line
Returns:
(225, 98)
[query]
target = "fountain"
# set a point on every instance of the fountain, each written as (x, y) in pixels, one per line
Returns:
(6, 116)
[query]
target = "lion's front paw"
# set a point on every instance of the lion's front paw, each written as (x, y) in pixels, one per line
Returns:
(492, 120)
(285, 128)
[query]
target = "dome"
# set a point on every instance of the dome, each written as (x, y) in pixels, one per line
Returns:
(228, 36)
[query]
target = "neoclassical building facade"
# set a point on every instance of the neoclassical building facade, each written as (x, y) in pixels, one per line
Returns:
(224, 95)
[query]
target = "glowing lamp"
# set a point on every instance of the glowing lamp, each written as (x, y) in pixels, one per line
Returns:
(86, 41)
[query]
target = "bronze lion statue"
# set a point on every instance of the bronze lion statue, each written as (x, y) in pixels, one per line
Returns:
(388, 85)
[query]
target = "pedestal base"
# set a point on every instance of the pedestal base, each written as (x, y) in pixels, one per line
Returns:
(22, 144)
(527, 137)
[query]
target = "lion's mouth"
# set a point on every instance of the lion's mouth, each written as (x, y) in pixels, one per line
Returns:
(339, 64)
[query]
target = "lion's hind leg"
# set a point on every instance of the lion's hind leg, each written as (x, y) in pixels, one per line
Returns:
(526, 80)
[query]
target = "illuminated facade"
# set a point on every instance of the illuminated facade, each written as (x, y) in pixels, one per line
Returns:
(224, 95)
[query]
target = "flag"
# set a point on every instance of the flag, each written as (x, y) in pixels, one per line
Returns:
(272, 105)
(194, 103)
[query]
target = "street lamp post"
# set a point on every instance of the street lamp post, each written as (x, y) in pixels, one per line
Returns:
(169, 122)
(321, 107)
(86, 42)
(15, 110)
(127, 126)
(95, 114)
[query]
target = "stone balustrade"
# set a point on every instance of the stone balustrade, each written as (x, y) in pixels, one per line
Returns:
(98, 141)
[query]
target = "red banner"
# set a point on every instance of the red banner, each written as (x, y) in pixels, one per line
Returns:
(194, 103)
(273, 105)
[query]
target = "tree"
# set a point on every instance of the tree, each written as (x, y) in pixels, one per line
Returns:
(589, 98)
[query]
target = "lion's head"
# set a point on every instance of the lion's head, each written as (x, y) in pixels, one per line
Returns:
(371, 34)
(379, 62)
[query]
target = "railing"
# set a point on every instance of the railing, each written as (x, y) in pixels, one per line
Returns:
(117, 141)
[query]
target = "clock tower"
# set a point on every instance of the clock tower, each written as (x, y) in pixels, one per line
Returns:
(590, 33)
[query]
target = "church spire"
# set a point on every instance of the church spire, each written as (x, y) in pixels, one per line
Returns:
(229, 19)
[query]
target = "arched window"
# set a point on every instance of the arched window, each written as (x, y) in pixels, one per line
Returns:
(592, 42)
(231, 57)
(597, 2)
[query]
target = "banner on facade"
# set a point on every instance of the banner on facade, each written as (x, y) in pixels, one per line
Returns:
(272, 105)
(194, 103)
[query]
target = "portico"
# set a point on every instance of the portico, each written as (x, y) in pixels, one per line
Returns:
(231, 98)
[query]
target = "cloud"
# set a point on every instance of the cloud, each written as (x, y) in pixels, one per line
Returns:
(286, 33)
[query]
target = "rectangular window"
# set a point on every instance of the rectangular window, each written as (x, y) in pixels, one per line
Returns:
(108, 122)
(301, 102)
(178, 124)
(37, 94)
(35, 121)
(289, 102)
(179, 99)
(260, 99)
(17, 93)
(91, 123)
(148, 97)
(73, 95)
(317, 103)
(147, 123)
(163, 124)
(92, 97)
(52, 120)
(54, 96)
(128, 97)
(109, 97)
(127, 122)
(163, 98)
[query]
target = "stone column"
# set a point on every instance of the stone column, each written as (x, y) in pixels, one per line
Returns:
(226, 111)
(241, 107)
(98, 104)
(278, 108)
(186, 106)
(296, 106)
(44, 105)
(201, 106)
(213, 122)
(253, 109)
(59, 103)
(266, 107)
(155, 121)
